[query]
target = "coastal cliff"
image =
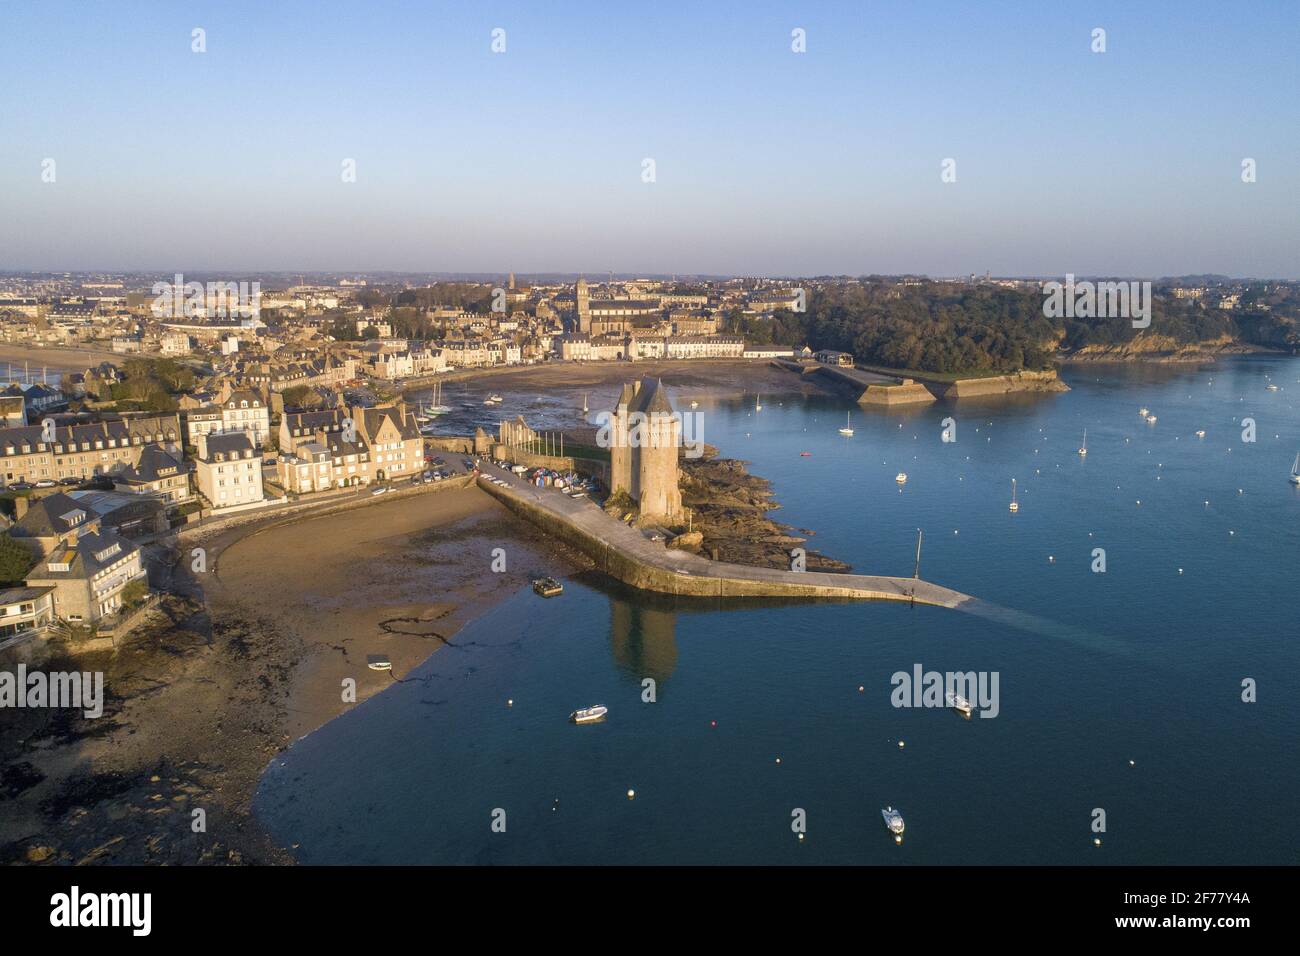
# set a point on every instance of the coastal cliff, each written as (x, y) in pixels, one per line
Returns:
(1161, 348)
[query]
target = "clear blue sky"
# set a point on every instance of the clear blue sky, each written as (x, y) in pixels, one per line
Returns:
(767, 161)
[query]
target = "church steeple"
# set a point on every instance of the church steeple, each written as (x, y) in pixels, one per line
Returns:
(584, 307)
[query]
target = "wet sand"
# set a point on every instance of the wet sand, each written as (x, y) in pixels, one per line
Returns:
(253, 658)
(55, 359)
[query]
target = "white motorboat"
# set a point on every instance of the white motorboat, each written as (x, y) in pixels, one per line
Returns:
(901, 477)
(589, 715)
(1200, 433)
(958, 703)
(893, 820)
(1270, 387)
(1151, 419)
(1144, 412)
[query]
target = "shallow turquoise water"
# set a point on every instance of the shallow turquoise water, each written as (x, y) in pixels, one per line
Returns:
(1139, 664)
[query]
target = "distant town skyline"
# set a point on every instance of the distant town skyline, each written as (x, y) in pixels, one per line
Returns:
(124, 150)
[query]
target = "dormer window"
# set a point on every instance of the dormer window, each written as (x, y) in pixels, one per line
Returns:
(110, 551)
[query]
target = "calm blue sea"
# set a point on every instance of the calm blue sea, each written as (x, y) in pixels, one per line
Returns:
(1119, 691)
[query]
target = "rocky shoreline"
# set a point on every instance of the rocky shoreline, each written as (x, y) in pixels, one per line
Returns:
(1161, 350)
(729, 509)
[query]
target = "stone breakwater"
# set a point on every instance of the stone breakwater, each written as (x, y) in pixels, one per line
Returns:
(1005, 385)
(624, 553)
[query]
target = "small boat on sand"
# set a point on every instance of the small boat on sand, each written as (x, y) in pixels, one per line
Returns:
(548, 587)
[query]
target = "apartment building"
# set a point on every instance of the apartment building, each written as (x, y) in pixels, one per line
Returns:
(83, 449)
(86, 566)
(228, 471)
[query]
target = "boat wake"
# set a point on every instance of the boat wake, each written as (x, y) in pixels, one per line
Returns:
(1033, 624)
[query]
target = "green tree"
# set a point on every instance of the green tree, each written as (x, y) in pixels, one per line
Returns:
(134, 593)
(294, 396)
(15, 561)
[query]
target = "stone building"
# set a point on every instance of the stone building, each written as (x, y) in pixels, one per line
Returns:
(584, 307)
(645, 435)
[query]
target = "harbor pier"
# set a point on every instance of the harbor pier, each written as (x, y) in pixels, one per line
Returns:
(627, 555)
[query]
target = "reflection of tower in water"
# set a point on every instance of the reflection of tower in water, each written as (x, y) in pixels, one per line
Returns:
(643, 640)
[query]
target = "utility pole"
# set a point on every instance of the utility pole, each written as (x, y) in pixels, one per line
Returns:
(917, 572)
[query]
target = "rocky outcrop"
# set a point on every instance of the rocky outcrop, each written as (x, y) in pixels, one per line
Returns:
(729, 509)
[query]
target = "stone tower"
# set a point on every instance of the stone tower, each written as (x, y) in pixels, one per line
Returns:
(645, 436)
(584, 307)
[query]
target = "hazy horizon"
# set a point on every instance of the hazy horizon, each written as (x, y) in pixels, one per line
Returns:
(767, 162)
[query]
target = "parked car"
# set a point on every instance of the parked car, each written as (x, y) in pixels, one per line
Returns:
(47, 483)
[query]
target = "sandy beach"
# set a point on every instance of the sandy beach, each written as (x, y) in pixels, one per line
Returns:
(601, 381)
(54, 359)
(255, 656)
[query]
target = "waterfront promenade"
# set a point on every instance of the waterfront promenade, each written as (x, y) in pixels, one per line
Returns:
(627, 554)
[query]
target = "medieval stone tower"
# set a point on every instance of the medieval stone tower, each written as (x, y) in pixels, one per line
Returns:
(645, 435)
(584, 307)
